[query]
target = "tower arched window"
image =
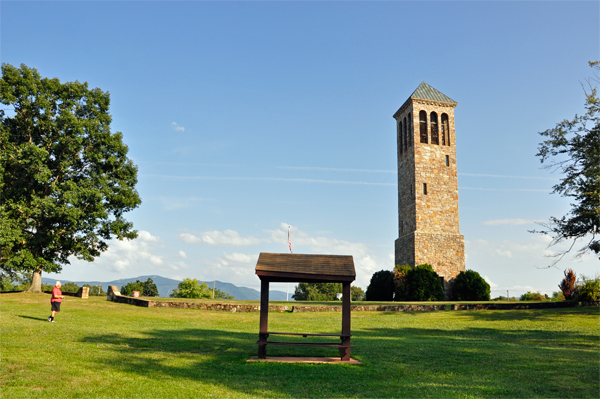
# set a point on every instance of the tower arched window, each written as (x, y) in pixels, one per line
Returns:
(435, 136)
(445, 130)
(411, 132)
(423, 126)
(400, 148)
(405, 134)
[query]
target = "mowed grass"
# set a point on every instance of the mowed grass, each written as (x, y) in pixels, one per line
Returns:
(100, 349)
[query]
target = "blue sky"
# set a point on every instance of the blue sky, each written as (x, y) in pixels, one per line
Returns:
(248, 117)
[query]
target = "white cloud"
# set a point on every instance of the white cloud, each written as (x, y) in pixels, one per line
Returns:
(182, 254)
(217, 238)
(177, 127)
(133, 256)
(242, 258)
(238, 268)
(511, 222)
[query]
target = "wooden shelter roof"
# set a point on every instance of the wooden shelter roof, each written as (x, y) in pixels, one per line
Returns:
(305, 268)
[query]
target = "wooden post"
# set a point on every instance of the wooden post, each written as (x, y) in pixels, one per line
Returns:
(346, 292)
(264, 319)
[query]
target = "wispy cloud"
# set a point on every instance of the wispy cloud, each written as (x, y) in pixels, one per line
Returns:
(138, 254)
(218, 238)
(177, 127)
(281, 179)
(510, 222)
(505, 189)
(337, 169)
(507, 176)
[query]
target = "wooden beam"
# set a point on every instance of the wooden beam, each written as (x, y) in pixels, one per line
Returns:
(264, 319)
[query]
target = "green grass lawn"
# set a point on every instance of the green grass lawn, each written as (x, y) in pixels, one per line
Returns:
(100, 349)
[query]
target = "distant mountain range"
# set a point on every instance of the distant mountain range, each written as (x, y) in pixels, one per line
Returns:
(167, 285)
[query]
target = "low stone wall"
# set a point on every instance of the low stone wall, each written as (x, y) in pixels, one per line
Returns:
(371, 308)
(233, 307)
(224, 307)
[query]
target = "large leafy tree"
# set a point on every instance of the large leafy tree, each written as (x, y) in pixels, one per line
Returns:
(573, 147)
(65, 177)
(191, 288)
(317, 291)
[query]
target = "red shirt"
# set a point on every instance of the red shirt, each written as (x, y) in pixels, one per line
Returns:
(56, 293)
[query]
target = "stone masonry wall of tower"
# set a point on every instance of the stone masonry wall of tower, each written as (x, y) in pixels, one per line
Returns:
(428, 224)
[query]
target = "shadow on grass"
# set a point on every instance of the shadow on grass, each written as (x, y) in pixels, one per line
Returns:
(33, 318)
(406, 362)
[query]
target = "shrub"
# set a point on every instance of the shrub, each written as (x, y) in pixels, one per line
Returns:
(470, 286)
(424, 284)
(589, 289)
(400, 282)
(69, 287)
(381, 287)
(558, 296)
(567, 285)
(532, 296)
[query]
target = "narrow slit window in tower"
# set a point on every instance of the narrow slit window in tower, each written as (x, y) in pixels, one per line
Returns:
(400, 149)
(425, 188)
(405, 134)
(447, 160)
(410, 129)
(435, 138)
(423, 126)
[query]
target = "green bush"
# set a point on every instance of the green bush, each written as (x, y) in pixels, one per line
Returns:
(381, 287)
(557, 296)
(147, 288)
(69, 287)
(532, 296)
(424, 284)
(400, 282)
(589, 289)
(470, 286)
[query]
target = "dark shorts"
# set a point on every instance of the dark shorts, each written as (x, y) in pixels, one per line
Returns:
(56, 306)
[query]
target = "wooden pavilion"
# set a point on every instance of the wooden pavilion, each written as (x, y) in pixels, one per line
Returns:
(300, 268)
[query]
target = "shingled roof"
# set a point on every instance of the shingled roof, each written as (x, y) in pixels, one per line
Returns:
(302, 267)
(426, 92)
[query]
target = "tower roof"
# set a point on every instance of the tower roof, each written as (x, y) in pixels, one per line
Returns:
(426, 92)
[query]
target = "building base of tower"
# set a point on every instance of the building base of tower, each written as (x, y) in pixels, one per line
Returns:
(444, 252)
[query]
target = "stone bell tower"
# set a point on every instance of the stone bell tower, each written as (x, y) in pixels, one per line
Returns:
(427, 185)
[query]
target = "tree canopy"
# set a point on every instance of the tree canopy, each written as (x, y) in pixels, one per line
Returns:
(65, 178)
(145, 288)
(192, 288)
(573, 147)
(317, 291)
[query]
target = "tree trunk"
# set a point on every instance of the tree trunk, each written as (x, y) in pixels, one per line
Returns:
(36, 281)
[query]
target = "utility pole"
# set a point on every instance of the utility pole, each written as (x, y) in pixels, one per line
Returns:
(507, 296)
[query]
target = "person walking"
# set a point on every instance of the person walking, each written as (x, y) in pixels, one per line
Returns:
(55, 301)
